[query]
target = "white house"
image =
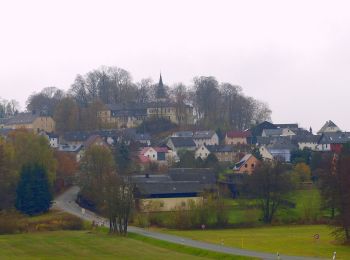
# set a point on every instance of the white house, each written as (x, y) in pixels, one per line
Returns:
(202, 152)
(206, 138)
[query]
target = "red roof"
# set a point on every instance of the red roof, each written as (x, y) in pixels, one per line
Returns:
(161, 149)
(238, 134)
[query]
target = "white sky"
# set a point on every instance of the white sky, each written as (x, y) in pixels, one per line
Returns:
(295, 55)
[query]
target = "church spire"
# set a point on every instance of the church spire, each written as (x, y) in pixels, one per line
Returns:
(161, 91)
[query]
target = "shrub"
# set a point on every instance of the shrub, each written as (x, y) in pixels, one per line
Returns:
(11, 223)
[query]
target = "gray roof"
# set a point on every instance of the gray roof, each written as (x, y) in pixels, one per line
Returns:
(183, 134)
(22, 118)
(306, 138)
(183, 141)
(290, 126)
(76, 136)
(220, 148)
(203, 175)
(274, 140)
(281, 146)
(142, 137)
(176, 181)
(273, 132)
(70, 148)
(203, 134)
(335, 138)
(171, 187)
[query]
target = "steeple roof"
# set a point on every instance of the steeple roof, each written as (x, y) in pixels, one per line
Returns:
(160, 91)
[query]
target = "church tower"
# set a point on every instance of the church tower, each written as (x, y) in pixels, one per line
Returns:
(161, 94)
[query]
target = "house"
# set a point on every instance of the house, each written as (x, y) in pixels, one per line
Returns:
(237, 137)
(174, 190)
(76, 150)
(52, 138)
(224, 153)
(143, 139)
(258, 129)
(307, 141)
(206, 138)
(329, 127)
(333, 141)
(277, 132)
(75, 138)
(94, 140)
(277, 151)
(181, 143)
(31, 121)
(246, 165)
(156, 154)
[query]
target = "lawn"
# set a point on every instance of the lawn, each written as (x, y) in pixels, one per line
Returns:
(289, 240)
(95, 245)
(307, 209)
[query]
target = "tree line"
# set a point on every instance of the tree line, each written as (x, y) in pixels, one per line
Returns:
(216, 104)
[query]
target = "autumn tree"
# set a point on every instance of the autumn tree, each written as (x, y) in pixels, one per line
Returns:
(66, 115)
(30, 148)
(8, 176)
(45, 101)
(301, 172)
(96, 165)
(67, 167)
(335, 183)
(270, 185)
(118, 201)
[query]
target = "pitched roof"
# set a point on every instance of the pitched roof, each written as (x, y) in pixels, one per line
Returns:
(328, 124)
(242, 161)
(92, 139)
(76, 136)
(238, 134)
(183, 134)
(22, 118)
(142, 137)
(183, 141)
(202, 175)
(219, 148)
(171, 187)
(335, 138)
(203, 134)
(290, 126)
(273, 132)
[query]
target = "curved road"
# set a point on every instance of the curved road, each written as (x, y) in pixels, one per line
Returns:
(66, 202)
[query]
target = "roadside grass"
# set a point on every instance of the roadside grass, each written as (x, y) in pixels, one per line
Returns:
(289, 240)
(96, 245)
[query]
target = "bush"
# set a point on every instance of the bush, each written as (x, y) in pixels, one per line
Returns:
(11, 223)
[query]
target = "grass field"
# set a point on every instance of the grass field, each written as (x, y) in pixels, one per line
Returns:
(290, 240)
(96, 245)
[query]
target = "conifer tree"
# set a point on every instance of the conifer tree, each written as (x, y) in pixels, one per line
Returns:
(33, 191)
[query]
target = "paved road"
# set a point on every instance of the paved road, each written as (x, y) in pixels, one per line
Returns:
(66, 202)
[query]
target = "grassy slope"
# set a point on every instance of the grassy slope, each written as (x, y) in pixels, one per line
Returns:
(291, 240)
(87, 245)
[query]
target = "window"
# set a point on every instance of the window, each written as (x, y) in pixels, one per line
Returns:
(246, 165)
(253, 165)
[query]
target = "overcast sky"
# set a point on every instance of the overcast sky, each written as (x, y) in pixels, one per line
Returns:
(295, 55)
